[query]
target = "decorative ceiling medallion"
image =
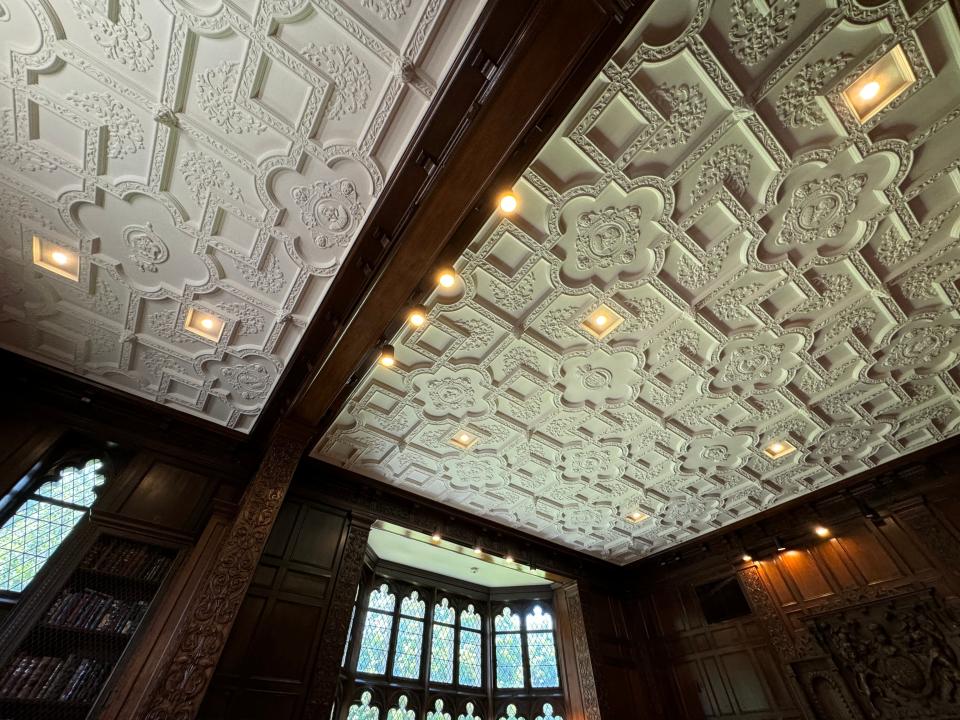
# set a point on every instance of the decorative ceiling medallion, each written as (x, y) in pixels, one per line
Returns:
(162, 161)
(768, 269)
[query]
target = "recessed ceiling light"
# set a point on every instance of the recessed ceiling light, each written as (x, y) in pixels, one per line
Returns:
(56, 259)
(747, 557)
(477, 550)
(881, 84)
(417, 316)
(508, 558)
(778, 449)
(636, 517)
(821, 531)
(387, 358)
(601, 322)
(463, 439)
(435, 537)
(204, 324)
(781, 545)
(447, 278)
(508, 203)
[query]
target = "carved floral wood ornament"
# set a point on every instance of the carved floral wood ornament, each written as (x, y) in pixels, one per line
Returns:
(215, 154)
(783, 273)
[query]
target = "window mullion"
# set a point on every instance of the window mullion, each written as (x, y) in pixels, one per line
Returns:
(525, 649)
(54, 501)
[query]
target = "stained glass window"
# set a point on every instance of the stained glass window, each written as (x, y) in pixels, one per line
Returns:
(508, 650)
(364, 710)
(541, 652)
(471, 648)
(441, 644)
(437, 713)
(406, 660)
(375, 640)
(468, 715)
(512, 713)
(34, 532)
(401, 712)
(548, 713)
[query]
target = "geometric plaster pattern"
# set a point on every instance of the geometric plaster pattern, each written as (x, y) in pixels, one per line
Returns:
(783, 272)
(214, 155)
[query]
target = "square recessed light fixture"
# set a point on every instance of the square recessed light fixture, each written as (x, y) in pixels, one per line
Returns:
(778, 449)
(636, 517)
(204, 324)
(601, 322)
(56, 258)
(881, 84)
(464, 440)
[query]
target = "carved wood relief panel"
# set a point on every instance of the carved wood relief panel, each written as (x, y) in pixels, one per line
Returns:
(210, 156)
(781, 272)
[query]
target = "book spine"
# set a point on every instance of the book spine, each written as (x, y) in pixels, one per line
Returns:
(55, 670)
(14, 671)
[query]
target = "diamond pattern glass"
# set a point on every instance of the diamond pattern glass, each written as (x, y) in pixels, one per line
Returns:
(375, 643)
(470, 619)
(441, 654)
(413, 606)
(509, 661)
(543, 660)
(406, 661)
(363, 710)
(442, 612)
(507, 621)
(383, 599)
(471, 658)
(34, 532)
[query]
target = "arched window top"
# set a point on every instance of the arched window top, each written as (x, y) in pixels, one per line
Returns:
(469, 618)
(548, 713)
(443, 613)
(44, 518)
(512, 713)
(401, 712)
(413, 606)
(468, 715)
(507, 622)
(437, 713)
(539, 620)
(383, 599)
(364, 711)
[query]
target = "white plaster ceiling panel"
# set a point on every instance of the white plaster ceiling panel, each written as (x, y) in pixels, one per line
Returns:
(783, 273)
(218, 156)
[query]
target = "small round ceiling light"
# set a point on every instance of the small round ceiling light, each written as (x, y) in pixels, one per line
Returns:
(821, 531)
(387, 358)
(747, 557)
(447, 278)
(436, 537)
(477, 550)
(417, 316)
(508, 203)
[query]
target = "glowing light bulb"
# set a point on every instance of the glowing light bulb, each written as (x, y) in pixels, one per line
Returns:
(508, 203)
(747, 558)
(509, 558)
(821, 531)
(206, 323)
(386, 356)
(477, 550)
(447, 278)
(417, 317)
(776, 447)
(436, 537)
(60, 258)
(464, 438)
(870, 90)
(600, 320)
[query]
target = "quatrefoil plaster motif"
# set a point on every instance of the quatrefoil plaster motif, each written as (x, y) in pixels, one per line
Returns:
(601, 378)
(331, 210)
(757, 364)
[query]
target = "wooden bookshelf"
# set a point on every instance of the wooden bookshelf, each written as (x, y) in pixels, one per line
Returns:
(65, 659)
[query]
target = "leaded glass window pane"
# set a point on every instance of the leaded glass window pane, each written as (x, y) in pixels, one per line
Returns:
(437, 713)
(470, 619)
(442, 612)
(548, 713)
(543, 660)
(406, 661)
(509, 661)
(34, 532)
(401, 711)
(468, 715)
(363, 710)
(539, 620)
(471, 658)
(375, 643)
(512, 713)
(383, 599)
(507, 621)
(413, 606)
(441, 654)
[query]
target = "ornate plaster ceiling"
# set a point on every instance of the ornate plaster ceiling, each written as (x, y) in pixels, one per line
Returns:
(783, 272)
(215, 155)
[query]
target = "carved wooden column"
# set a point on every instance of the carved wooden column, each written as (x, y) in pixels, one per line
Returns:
(575, 657)
(191, 657)
(327, 666)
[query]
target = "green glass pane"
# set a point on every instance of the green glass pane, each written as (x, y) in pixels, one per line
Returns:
(441, 654)
(29, 537)
(374, 643)
(406, 661)
(509, 661)
(471, 658)
(75, 485)
(543, 660)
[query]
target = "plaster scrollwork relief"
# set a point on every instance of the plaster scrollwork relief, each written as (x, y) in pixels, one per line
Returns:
(750, 364)
(921, 348)
(683, 107)
(451, 393)
(331, 210)
(710, 455)
(849, 441)
(755, 32)
(601, 378)
(729, 166)
(799, 105)
(161, 141)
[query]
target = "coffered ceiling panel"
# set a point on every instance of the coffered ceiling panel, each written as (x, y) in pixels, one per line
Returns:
(204, 164)
(783, 273)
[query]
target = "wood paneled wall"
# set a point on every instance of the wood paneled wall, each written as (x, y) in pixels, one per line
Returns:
(858, 625)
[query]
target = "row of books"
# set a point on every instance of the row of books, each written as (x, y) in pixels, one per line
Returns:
(70, 679)
(92, 610)
(119, 557)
